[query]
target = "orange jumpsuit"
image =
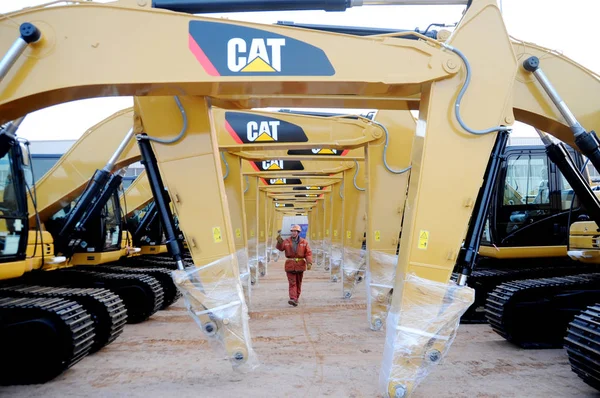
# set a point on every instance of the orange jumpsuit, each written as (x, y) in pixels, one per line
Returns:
(295, 264)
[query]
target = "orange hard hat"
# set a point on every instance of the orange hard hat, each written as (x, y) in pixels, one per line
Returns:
(296, 228)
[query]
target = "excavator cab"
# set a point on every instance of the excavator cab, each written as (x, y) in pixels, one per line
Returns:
(13, 202)
(99, 234)
(532, 202)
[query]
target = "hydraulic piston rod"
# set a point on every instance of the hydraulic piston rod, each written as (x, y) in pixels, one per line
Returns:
(559, 155)
(468, 253)
(29, 34)
(588, 143)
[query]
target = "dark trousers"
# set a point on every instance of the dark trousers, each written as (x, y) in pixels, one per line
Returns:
(295, 284)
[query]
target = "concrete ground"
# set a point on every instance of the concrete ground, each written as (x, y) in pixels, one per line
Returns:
(321, 348)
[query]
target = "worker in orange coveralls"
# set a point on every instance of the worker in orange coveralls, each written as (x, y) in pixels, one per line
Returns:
(299, 259)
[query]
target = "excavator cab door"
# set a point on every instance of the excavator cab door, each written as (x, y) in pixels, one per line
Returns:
(533, 201)
(14, 226)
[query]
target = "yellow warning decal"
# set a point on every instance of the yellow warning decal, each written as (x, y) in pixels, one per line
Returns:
(377, 236)
(238, 233)
(327, 232)
(262, 233)
(313, 234)
(335, 233)
(217, 235)
(349, 234)
(423, 239)
(252, 233)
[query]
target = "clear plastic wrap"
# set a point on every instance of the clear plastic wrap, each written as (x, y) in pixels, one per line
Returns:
(262, 259)
(253, 260)
(420, 334)
(272, 252)
(214, 298)
(242, 257)
(354, 264)
(327, 254)
(316, 246)
(275, 254)
(380, 273)
(335, 272)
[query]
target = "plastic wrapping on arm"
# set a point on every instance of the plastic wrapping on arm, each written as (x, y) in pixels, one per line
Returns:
(327, 254)
(253, 260)
(317, 250)
(421, 333)
(335, 272)
(242, 257)
(380, 274)
(354, 264)
(262, 258)
(214, 298)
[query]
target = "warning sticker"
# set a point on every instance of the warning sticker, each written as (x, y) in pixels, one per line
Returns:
(262, 234)
(327, 232)
(335, 233)
(217, 235)
(377, 236)
(423, 239)
(252, 233)
(238, 233)
(349, 234)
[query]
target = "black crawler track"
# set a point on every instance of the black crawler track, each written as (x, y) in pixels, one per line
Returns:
(583, 345)
(535, 313)
(142, 294)
(162, 275)
(105, 307)
(485, 281)
(41, 337)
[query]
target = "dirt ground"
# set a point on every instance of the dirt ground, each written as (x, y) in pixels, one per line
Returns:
(321, 348)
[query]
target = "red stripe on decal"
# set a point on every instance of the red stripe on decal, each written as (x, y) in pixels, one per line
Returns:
(345, 152)
(264, 181)
(254, 166)
(232, 132)
(202, 58)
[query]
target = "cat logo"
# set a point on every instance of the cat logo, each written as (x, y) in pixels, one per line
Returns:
(262, 131)
(262, 55)
(308, 188)
(225, 49)
(248, 128)
(272, 164)
(277, 165)
(281, 181)
(319, 151)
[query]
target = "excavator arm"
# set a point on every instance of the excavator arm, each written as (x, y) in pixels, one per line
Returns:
(425, 307)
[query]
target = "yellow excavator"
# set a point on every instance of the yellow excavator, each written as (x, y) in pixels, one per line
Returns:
(241, 65)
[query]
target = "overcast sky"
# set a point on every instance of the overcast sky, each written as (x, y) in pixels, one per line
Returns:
(565, 26)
